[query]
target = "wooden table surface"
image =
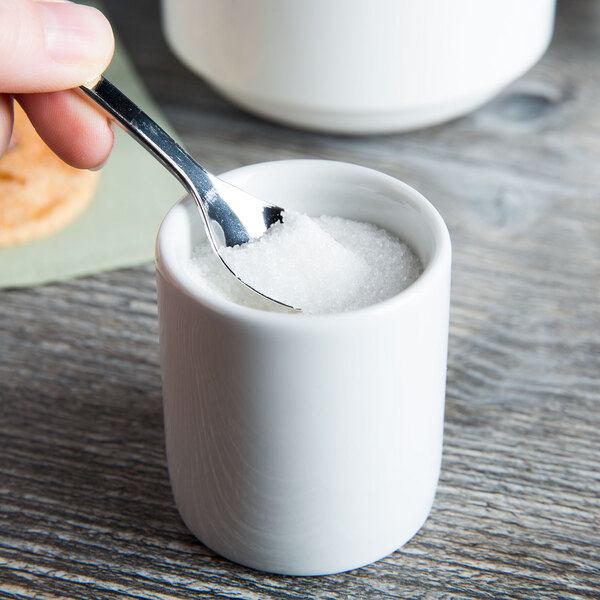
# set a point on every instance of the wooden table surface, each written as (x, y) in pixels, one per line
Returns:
(85, 504)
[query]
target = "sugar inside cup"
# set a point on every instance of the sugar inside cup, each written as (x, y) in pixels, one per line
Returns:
(318, 265)
(306, 444)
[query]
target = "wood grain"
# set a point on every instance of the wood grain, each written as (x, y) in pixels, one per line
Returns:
(85, 504)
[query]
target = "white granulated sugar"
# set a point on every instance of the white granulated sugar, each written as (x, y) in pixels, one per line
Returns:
(320, 265)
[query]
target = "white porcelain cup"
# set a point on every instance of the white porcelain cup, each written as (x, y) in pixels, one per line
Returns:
(359, 66)
(306, 444)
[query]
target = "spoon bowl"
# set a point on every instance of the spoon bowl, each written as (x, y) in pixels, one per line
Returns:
(231, 216)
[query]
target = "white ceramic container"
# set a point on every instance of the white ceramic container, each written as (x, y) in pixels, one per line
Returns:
(359, 66)
(306, 444)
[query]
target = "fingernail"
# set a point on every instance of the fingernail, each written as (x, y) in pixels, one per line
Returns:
(74, 33)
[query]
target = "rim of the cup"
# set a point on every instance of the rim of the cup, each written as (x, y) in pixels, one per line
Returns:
(179, 278)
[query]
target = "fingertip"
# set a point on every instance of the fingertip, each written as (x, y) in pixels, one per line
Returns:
(6, 121)
(48, 45)
(71, 127)
(103, 150)
(76, 34)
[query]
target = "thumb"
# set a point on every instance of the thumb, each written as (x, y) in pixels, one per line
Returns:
(50, 46)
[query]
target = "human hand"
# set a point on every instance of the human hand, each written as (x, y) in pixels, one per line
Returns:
(46, 48)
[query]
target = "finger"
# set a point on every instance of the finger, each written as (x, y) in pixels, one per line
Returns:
(71, 127)
(48, 46)
(6, 121)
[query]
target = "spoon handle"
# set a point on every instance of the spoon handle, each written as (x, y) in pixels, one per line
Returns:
(148, 133)
(198, 182)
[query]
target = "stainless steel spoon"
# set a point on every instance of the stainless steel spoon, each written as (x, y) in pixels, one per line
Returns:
(231, 216)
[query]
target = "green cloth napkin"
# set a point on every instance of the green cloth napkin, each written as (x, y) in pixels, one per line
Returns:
(119, 227)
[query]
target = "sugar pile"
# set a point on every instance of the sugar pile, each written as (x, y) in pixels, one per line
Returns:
(320, 265)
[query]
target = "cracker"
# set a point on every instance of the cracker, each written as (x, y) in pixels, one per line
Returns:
(39, 193)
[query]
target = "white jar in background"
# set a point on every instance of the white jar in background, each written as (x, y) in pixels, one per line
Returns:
(359, 66)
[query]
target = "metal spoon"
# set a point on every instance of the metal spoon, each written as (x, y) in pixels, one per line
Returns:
(231, 216)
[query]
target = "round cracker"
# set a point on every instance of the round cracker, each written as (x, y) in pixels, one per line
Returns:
(39, 193)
